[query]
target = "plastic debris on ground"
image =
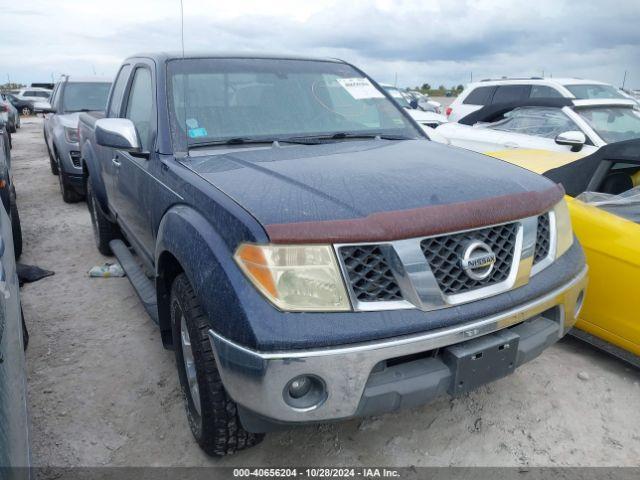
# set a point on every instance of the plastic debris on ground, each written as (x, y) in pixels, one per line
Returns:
(107, 270)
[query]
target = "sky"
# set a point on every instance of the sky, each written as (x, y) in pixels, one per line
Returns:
(407, 42)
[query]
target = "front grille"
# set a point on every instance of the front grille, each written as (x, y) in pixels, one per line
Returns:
(369, 274)
(444, 253)
(75, 158)
(543, 239)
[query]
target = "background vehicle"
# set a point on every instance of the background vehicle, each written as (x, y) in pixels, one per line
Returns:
(424, 102)
(507, 90)
(71, 95)
(33, 93)
(39, 97)
(9, 114)
(14, 422)
(609, 231)
(24, 107)
(549, 124)
(425, 118)
(320, 237)
(8, 191)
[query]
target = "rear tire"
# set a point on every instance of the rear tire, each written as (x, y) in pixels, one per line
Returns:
(212, 414)
(16, 228)
(104, 230)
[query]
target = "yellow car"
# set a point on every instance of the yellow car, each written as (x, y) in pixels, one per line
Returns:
(609, 233)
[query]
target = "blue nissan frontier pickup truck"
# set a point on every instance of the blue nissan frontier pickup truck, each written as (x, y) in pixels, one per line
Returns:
(305, 249)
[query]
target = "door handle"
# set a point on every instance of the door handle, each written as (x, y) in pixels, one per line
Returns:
(511, 145)
(115, 161)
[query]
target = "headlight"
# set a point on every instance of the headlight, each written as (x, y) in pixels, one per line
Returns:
(295, 277)
(71, 134)
(564, 231)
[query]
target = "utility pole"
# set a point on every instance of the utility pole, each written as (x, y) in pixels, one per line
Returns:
(471, 77)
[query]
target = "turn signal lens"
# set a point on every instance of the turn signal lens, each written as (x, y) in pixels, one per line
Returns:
(295, 277)
(564, 231)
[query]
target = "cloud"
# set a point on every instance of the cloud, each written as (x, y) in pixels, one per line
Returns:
(436, 41)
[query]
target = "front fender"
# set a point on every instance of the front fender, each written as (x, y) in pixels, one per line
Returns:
(207, 260)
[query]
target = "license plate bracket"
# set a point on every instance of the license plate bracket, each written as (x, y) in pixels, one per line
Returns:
(481, 360)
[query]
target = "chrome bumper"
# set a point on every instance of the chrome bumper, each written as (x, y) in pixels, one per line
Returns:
(257, 380)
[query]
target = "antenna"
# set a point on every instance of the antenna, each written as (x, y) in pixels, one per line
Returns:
(624, 80)
(182, 27)
(184, 85)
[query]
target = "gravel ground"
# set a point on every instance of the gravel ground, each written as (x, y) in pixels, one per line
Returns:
(102, 391)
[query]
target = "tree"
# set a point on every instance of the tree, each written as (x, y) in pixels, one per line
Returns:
(460, 87)
(425, 87)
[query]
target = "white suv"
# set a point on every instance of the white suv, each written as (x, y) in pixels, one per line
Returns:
(506, 90)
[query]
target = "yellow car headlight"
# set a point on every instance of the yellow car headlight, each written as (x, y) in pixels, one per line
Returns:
(564, 231)
(295, 277)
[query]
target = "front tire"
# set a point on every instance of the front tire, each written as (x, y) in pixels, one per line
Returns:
(212, 414)
(69, 194)
(52, 161)
(104, 230)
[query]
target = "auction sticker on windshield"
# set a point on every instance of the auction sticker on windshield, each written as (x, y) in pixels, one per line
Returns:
(360, 88)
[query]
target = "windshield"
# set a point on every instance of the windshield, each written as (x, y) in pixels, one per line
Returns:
(613, 124)
(222, 99)
(594, 91)
(85, 96)
(397, 96)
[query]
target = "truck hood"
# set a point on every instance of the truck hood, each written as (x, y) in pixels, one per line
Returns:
(69, 119)
(355, 179)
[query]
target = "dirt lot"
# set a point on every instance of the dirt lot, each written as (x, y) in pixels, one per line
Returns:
(103, 390)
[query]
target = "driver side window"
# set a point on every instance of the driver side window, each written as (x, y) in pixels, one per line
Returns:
(140, 106)
(536, 121)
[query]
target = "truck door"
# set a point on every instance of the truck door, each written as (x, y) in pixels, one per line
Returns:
(106, 154)
(134, 178)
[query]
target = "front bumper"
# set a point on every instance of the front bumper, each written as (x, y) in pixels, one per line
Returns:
(257, 381)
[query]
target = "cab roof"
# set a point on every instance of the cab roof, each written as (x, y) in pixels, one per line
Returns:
(166, 56)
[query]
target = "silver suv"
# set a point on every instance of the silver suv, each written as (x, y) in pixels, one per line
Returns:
(71, 96)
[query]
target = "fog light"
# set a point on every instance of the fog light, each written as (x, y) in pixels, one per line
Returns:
(299, 386)
(305, 392)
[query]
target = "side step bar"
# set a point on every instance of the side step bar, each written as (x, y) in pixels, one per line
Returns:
(141, 284)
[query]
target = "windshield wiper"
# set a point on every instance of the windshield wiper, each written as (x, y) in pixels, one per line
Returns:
(302, 140)
(231, 141)
(79, 110)
(344, 136)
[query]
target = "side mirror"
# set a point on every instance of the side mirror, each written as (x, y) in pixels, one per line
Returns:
(118, 133)
(573, 139)
(413, 103)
